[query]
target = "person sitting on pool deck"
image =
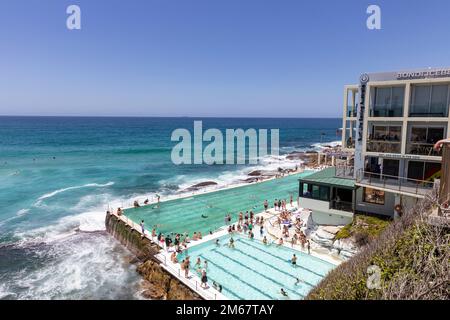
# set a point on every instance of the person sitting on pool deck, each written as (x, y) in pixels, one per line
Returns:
(231, 243)
(217, 286)
(195, 237)
(173, 257)
(199, 235)
(265, 240)
(294, 260)
(280, 241)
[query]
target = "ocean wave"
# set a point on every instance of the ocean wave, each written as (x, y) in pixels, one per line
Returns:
(54, 193)
(324, 145)
(83, 266)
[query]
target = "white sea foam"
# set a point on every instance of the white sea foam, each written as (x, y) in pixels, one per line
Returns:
(324, 145)
(22, 212)
(54, 193)
(84, 266)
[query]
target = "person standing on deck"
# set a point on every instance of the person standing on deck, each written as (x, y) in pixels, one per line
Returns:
(291, 200)
(142, 228)
(266, 205)
(275, 204)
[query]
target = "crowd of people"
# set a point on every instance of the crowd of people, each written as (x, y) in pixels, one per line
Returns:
(246, 223)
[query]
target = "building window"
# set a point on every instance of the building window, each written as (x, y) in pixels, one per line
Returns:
(316, 192)
(423, 171)
(422, 139)
(384, 139)
(387, 102)
(352, 105)
(429, 101)
(373, 196)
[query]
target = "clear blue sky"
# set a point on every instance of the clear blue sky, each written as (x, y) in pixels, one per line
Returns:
(207, 57)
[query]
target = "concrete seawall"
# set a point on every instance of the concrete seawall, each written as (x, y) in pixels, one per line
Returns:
(159, 284)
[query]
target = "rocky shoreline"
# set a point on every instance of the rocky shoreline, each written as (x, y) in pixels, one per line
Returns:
(158, 284)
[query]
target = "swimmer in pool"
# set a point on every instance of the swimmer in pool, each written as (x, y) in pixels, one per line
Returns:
(231, 243)
(283, 293)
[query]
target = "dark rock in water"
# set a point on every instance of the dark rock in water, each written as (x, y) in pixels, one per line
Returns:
(201, 185)
(250, 180)
(255, 173)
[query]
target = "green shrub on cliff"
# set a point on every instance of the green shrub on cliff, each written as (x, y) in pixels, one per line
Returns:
(412, 255)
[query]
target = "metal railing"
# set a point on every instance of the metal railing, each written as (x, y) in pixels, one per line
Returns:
(190, 282)
(383, 146)
(395, 183)
(341, 205)
(425, 149)
(345, 172)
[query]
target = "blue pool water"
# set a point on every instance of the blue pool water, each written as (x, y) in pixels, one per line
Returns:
(252, 270)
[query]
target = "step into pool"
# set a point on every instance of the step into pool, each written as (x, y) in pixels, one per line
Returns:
(252, 270)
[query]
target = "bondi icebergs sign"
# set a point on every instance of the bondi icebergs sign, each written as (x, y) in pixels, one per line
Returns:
(430, 73)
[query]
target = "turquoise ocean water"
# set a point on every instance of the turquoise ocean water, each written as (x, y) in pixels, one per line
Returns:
(59, 175)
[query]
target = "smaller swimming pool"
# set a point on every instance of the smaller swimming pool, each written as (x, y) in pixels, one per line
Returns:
(252, 270)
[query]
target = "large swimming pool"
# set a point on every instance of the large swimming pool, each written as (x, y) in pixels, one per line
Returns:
(185, 214)
(252, 270)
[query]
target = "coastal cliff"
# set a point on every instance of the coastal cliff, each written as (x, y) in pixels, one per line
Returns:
(158, 283)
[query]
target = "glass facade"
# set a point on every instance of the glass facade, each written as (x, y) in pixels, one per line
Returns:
(422, 138)
(384, 139)
(424, 171)
(429, 101)
(387, 101)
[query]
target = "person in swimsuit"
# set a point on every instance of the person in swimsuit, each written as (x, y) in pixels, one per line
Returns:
(283, 293)
(294, 260)
(204, 279)
(231, 243)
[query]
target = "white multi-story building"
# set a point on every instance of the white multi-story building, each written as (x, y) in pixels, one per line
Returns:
(391, 120)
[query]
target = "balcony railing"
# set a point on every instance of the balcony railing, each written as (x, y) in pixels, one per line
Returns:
(383, 146)
(394, 183)
(347, 172)
(341, 205)
(425, 149)
(386, 112)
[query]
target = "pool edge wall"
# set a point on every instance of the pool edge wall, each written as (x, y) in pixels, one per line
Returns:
(159, 283)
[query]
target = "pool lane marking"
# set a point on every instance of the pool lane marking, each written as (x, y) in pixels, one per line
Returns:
(277, 269)
(277, 257)
(238, 279)
(272, 267)
(259, 273)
